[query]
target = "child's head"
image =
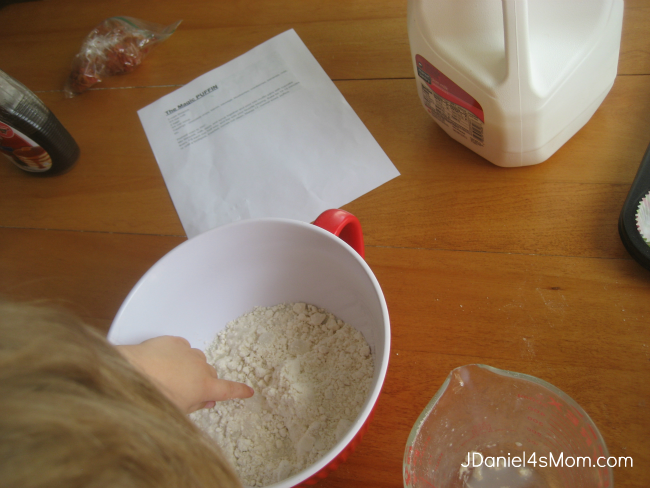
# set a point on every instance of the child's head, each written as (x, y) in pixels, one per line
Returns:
(74, 413)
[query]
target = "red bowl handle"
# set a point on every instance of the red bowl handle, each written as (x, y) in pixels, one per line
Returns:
(344, 225)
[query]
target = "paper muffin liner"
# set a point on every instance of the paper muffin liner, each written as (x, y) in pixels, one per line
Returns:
(643, 218)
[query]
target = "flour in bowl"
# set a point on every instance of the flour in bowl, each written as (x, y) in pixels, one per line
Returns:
(311, 373)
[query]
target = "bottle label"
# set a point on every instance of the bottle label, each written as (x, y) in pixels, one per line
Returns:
(22, 151)
(449, 104)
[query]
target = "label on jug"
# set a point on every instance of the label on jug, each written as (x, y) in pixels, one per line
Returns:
(23, 151)
(449, 104)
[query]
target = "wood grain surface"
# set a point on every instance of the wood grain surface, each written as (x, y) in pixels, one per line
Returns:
(521, 269)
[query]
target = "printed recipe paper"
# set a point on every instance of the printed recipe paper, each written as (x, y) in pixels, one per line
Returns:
(267, 134)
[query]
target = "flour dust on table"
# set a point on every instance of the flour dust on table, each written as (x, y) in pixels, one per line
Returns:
(311, 373)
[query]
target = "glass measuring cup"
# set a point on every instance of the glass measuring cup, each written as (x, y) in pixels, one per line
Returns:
(490, 428)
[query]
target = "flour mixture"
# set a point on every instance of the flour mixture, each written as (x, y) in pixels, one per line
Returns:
(311, 373)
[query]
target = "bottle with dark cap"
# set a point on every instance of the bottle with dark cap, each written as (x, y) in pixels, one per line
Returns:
(30, 134)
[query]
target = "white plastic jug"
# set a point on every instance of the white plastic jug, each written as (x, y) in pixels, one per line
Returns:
(513, 80)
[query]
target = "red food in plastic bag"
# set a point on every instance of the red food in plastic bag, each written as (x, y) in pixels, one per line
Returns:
(116, 46)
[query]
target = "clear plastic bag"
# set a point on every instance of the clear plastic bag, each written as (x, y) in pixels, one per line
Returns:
(116, 46)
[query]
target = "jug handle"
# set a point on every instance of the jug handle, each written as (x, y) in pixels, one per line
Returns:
(344, 225)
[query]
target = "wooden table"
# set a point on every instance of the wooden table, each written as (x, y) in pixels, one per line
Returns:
(522, 269)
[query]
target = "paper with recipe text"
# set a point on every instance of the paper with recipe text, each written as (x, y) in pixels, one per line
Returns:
(267, 134)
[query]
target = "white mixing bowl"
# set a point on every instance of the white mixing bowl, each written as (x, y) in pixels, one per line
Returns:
(211, 279)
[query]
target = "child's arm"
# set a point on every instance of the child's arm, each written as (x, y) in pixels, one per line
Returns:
(182, 373)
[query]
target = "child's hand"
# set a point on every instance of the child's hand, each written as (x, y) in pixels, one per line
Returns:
(182, 373)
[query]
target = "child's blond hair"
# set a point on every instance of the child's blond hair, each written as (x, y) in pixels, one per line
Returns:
(74, 413)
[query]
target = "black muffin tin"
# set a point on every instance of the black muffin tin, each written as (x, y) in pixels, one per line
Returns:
(627, 229)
